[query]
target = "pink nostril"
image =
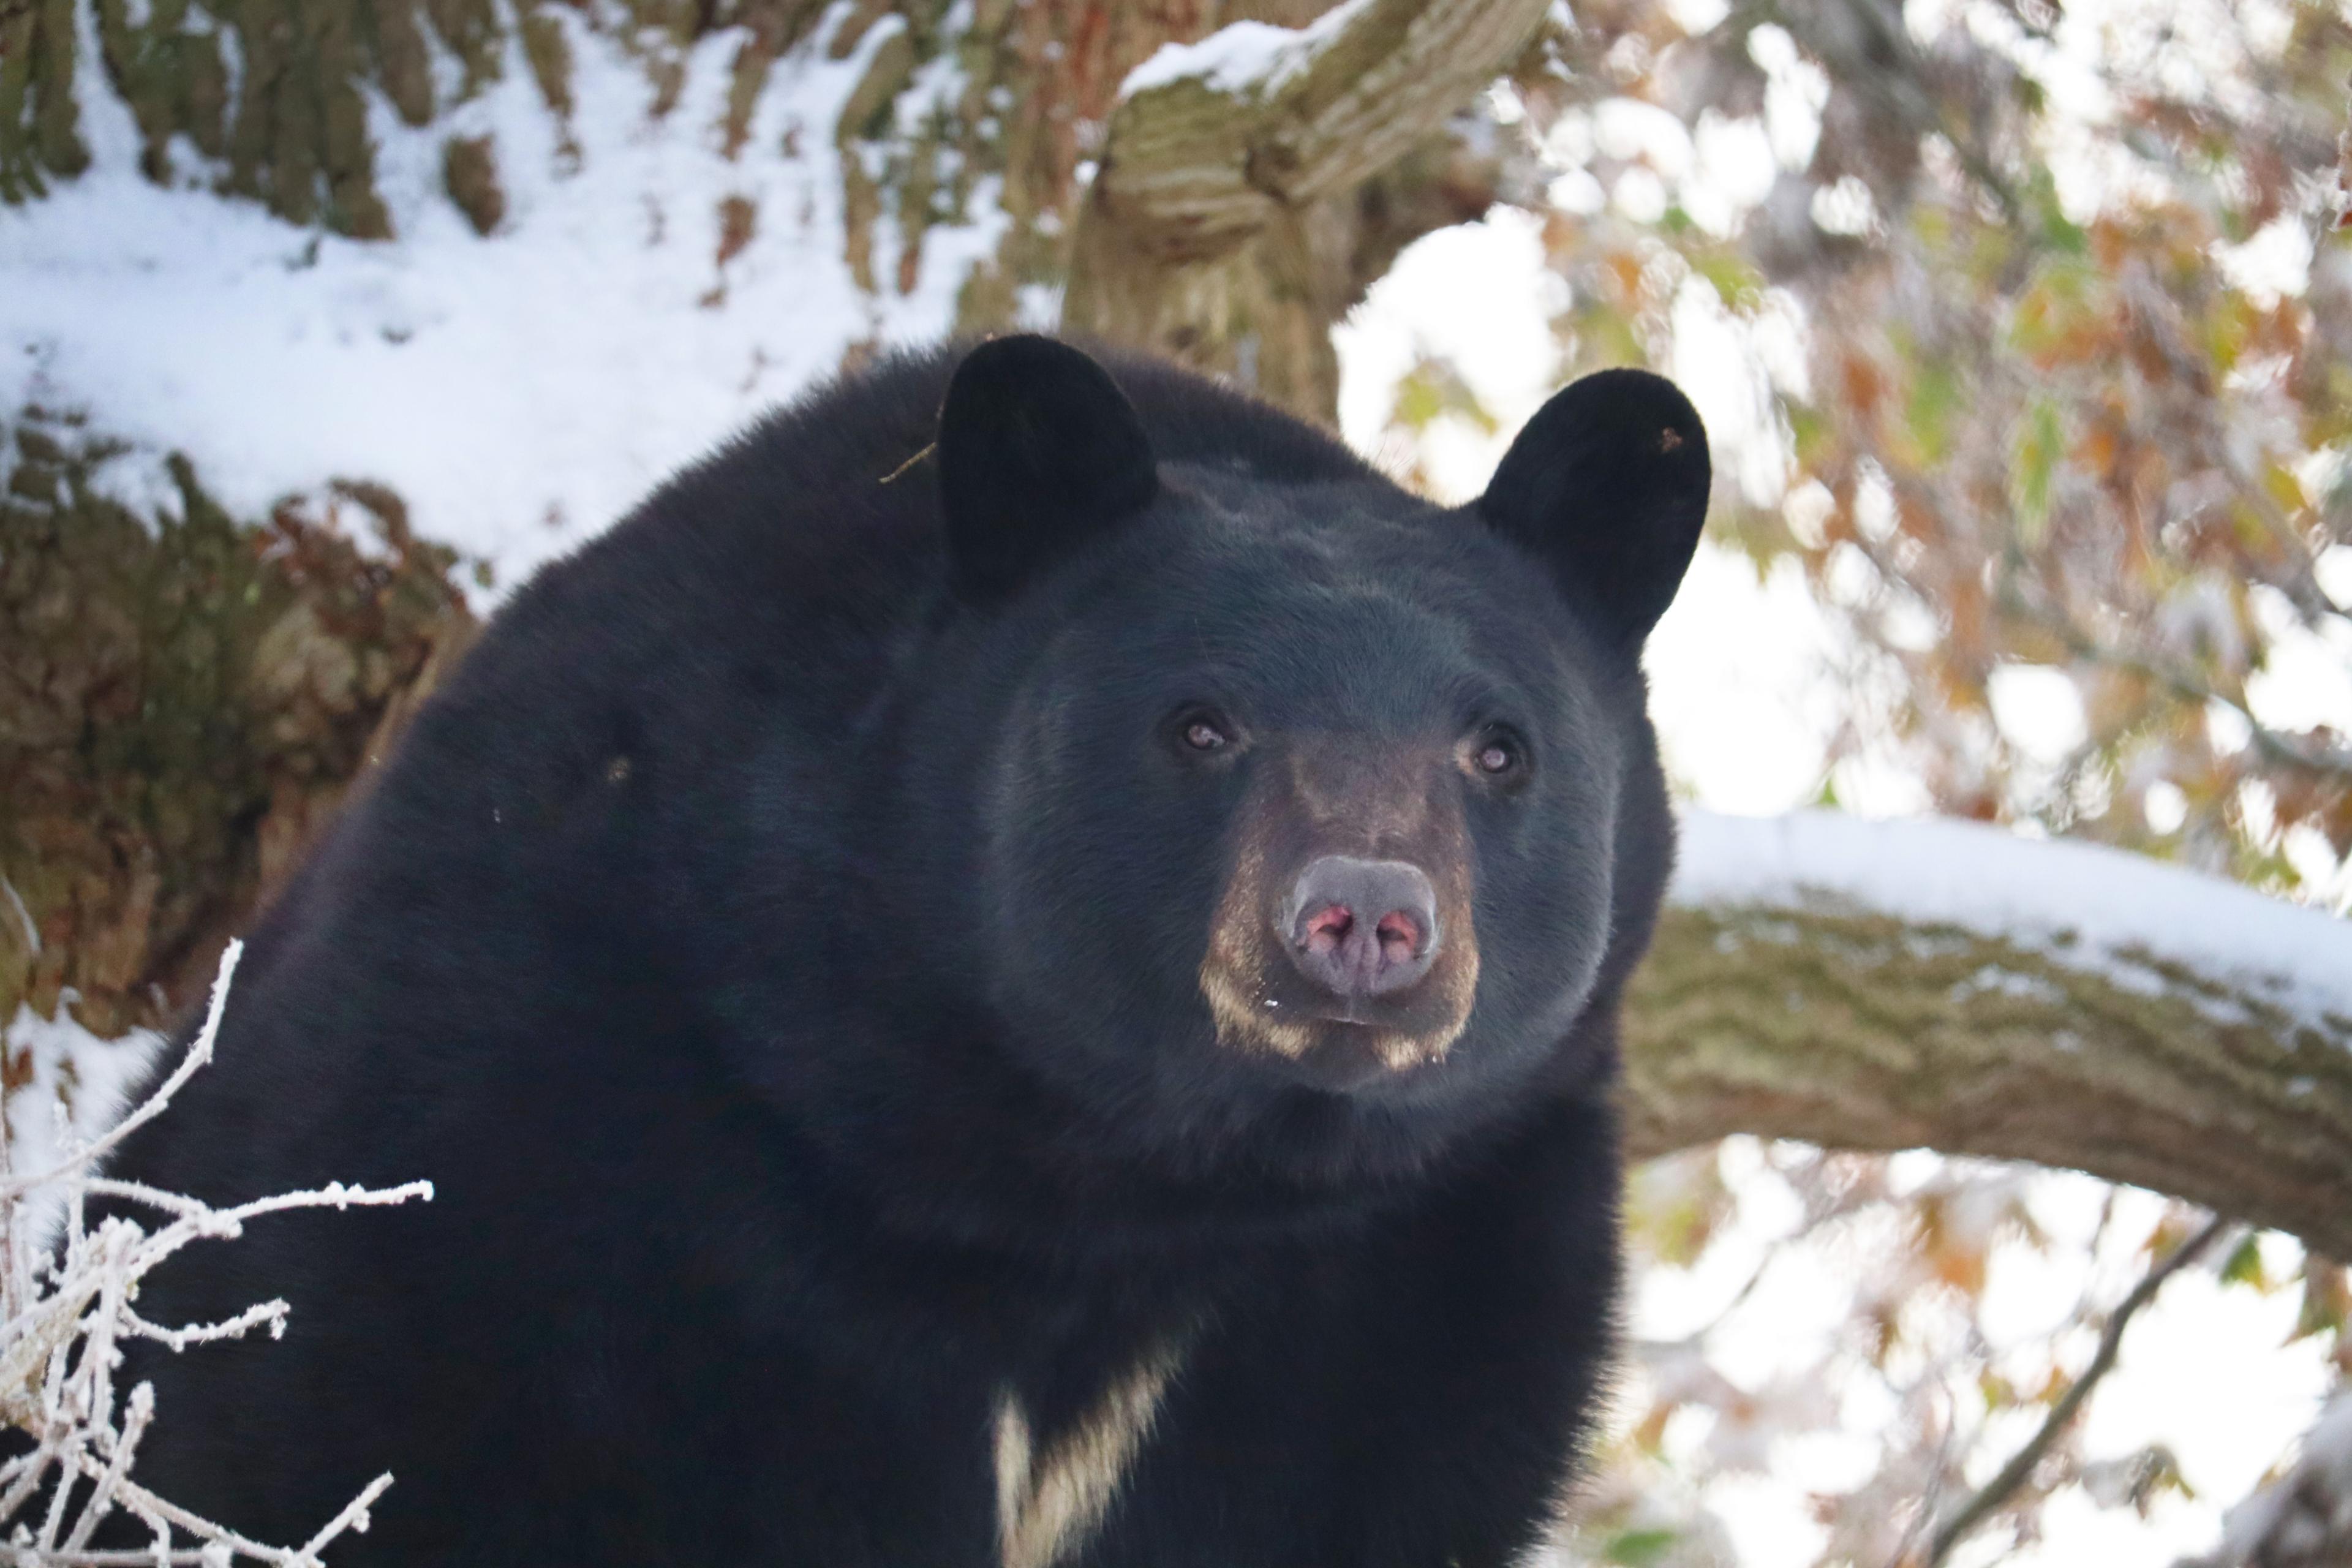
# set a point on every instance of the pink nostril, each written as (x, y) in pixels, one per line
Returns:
(1400, 936)
(1360, 928)
(1326, 928)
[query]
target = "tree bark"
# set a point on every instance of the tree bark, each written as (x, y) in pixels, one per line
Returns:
(1833, 1018)
(1218, 230)
(184, 700)
(184, 696)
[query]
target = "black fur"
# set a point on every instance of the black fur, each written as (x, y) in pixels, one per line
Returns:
(1038, 450)
(784, 964)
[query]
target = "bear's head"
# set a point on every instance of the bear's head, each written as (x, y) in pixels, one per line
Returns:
(1290, 811)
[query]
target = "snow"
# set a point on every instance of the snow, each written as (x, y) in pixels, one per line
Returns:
(77, 1084)
(520, 391)
(1251, 58)
(2080, 905)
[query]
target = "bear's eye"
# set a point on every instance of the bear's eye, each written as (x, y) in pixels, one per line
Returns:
(1204, 729)
(1203, 735)
(1495, 752)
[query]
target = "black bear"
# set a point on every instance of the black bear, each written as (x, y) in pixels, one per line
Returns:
(1020, 970)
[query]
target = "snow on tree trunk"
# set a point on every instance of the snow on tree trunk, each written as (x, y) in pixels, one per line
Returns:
(1218, 231)
(183, 701)
(774, 185)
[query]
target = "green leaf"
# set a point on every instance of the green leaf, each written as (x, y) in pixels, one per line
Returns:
(1737, 282)
(1639, 1548)
(2327, 1300)
(2033, 462)
(1935, 396)
(2058, 232)
(1434, 389)
(2245, 1265)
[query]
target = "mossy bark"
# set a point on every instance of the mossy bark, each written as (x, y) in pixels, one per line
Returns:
(40, 133)
(270, 95)
(1342, 165)
(184, 699)
(1861, 1031)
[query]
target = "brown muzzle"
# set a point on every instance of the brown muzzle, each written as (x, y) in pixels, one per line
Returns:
(1344, 941)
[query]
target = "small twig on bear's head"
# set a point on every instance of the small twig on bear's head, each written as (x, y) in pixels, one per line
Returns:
(899, 472)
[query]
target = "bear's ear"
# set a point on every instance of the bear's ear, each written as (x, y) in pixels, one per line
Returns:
(1607, 486)
(1038, 450)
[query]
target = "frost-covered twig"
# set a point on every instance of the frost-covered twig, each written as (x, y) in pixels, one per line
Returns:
(63, 1318)
(199, 1052)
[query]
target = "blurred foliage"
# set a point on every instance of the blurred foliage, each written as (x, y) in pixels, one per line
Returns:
(2045, 316)
(2046, 319)
(1889, 1403)
(2048, 329)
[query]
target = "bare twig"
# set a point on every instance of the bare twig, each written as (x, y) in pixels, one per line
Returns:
(155, 1104)
(1989, 1498)
(66, 1317)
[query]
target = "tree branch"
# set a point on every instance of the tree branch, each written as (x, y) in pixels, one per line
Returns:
(1209, 232)
(2291, 751)
(1212, 137)
(1893, 985)
(1989, 1498)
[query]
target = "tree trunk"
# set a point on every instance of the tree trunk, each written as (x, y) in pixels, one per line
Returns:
(233, 679)
(184, 701)
(1222, 229)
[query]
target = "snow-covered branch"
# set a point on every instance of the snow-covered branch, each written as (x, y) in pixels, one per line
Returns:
(1210, 138)
(64, 1315)
(1890, 985)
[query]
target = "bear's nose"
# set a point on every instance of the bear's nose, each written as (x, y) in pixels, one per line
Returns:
(1361, 928)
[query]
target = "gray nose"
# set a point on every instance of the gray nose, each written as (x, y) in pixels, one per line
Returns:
(1361, 928)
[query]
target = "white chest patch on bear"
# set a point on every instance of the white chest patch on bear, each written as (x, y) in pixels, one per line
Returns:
(1048, 1502)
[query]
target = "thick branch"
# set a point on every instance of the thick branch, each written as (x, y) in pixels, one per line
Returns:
(1213, 137)
(1216, 229)
(1938, 984)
